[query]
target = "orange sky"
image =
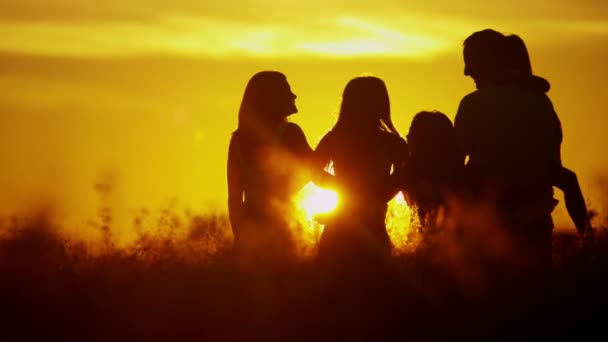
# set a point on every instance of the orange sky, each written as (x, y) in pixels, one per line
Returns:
(148, 91)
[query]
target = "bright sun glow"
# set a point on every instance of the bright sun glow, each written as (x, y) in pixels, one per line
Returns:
(399, 224)
(315, 200)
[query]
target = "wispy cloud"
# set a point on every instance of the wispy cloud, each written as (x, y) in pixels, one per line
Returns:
(386, 29)
(217, 38)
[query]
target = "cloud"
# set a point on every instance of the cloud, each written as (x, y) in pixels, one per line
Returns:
(150, 10)
(213, 37)
(388, 29)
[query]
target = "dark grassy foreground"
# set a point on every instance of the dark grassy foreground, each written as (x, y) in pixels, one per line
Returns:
(52, 288)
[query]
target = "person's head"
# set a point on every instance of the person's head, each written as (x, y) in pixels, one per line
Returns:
(431, 134)
(517, 58)
(366, 104)
(517, 64)
(483, 54)
(268, 99)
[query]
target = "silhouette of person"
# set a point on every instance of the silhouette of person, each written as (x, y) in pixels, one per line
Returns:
(363, 147)
(266, 166)
(354, 254)
(519, 69)
(434, 166)
(512, 136)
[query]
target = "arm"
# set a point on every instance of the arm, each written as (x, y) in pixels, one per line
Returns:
(464, 132)
(235, 188)
(465, 126)
(296, 142)
(567, 181)
(396, 181)
(556, 135)
(321, 158)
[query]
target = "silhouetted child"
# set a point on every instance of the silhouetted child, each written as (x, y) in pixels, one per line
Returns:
(434, 167)
(518, 69)
(364, 146)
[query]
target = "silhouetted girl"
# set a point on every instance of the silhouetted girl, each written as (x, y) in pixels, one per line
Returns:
(363, 147)
(435, 164)
(518, 69)
(266, 161)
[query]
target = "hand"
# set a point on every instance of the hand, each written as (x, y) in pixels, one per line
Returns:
(586, 239)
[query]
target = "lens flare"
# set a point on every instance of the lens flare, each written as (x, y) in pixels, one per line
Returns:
(310, 202)
(315, 200)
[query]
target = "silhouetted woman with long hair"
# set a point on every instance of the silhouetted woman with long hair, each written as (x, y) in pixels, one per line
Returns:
(266, 161)
(362, 148)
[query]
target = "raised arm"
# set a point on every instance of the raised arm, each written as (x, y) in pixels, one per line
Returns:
(322, 157)
(396, 181)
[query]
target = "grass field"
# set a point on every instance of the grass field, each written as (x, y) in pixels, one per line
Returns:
(161, 287)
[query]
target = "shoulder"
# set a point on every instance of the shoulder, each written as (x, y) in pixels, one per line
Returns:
(472, 97)
(546, 101)
(469, 102)
(234, 138)
(292, 132)
(295, 139)
(293, 128)
(234, 149)
(326, 142)
(471, 107)
(327, 138)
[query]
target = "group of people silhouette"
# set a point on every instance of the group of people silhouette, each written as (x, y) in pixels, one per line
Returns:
(503, 149)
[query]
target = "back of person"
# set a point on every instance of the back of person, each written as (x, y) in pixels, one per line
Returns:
(363, 148)
(512, 136)
(362, 164)
(355, 246)
(271, 169)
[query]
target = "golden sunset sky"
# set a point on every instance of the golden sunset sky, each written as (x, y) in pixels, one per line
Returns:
(144, 94)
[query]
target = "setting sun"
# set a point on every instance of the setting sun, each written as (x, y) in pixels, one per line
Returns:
(315, 200)
(168, 169)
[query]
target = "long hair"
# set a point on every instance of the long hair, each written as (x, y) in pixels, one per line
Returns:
(432, 140)
(365, 104)
(517, 66)
(517, 58)
(431, 127)
(259, 110)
